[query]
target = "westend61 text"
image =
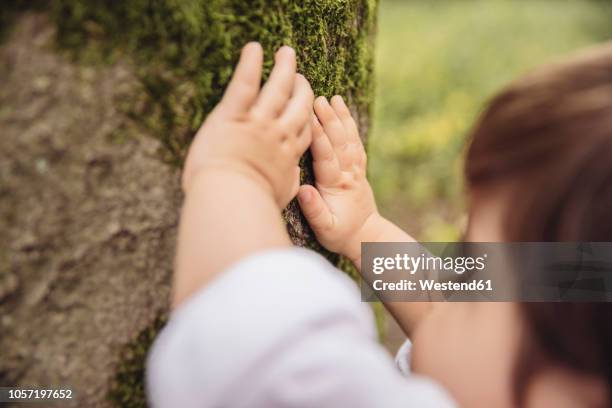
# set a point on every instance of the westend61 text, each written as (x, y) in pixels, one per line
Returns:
(432, 285)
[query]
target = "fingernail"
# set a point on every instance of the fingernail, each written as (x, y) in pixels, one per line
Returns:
(287, 49)
(305, 196)
(251, 44)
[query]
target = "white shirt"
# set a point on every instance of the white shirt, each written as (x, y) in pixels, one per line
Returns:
(279, 329)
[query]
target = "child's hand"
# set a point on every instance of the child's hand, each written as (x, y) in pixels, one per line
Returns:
(341, 210)
(261, 133)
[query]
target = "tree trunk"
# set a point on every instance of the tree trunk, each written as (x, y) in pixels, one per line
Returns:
(98, 104)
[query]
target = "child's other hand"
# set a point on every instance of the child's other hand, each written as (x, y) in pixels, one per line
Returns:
(258, 131)
(341, 210)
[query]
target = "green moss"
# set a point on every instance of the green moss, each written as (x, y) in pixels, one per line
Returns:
(127, 390)
(185, 52)
(186, 49)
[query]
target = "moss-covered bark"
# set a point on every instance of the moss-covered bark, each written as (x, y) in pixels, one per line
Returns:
(162, 65)
(186, 49)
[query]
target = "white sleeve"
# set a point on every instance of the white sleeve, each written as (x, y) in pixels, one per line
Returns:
(279, 329)
(402, 358)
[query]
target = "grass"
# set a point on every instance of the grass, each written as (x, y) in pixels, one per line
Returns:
(437, 63)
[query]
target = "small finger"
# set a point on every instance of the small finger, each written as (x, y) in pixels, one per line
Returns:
(334, 129)
(297, 181)
(324, 161)
(321, 147)
(330, 122)
(315, 209)
(299, 108)
(355, 153)
(244, 86)
(344, 114)
(303, 140)
(277, 90)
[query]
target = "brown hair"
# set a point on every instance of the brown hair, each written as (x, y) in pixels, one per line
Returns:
(548, 138)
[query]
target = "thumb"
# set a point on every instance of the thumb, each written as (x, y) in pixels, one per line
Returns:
(315, 209)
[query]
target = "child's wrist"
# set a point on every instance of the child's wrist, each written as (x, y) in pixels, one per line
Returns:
(371, 231)
(227, 171)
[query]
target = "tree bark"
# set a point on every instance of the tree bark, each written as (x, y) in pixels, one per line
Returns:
(98, 105)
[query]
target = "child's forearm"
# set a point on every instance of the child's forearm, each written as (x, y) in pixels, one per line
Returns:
(379, 229)
(219, 226)
(242, 168)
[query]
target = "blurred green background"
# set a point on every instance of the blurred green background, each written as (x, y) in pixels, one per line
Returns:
(437, 64)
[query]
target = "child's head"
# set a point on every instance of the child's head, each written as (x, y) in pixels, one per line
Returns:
(541, 155)
(538, 168)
